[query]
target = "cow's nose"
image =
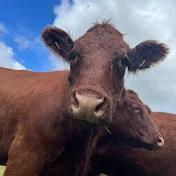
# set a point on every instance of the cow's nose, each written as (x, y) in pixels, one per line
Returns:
(89, 108)
(155, 141)
(159, 142)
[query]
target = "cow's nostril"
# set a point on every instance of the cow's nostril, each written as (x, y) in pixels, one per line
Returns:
(160, 141)
(100, 104)
(98, 108)
(75, 101)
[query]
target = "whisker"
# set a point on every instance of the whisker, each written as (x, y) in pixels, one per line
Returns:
(107, 130)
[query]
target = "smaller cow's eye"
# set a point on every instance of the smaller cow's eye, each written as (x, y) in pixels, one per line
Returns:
(135, 108)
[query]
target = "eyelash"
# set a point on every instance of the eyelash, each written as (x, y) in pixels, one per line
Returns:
(135, 108)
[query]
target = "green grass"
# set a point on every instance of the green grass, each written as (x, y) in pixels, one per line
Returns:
(2, 169)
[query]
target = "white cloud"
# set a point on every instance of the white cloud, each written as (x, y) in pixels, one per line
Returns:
(3, 28)
(141, 20)
(7, 58)
(7, 55)
(36, 45)
(57, 64)
(22, 42)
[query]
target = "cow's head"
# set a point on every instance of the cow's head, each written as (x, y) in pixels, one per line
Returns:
(98, 61)
(133, 122)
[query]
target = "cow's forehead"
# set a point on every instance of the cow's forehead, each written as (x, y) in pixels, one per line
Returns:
(102, 36)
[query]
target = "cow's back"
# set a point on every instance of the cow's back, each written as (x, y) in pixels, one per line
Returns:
(23, 94)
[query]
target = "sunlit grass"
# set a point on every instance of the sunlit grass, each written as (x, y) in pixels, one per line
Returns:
(2, 169)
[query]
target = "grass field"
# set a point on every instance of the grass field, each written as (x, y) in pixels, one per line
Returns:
(2, 169)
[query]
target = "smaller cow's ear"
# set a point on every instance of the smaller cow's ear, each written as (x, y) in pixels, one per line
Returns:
(146, 54)
(58, 41)
(148, 109)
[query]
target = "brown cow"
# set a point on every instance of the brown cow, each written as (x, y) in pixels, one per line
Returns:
(126, 120)
(98, 60)
(124, 160)
(33, 129)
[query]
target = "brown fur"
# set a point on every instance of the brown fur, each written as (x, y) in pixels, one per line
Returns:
(124, 160)
(31, 119)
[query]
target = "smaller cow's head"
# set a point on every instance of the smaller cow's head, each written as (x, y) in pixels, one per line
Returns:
(98, 61)
(133, 122)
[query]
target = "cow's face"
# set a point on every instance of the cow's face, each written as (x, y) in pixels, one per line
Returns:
(98, 61)
(133, 122)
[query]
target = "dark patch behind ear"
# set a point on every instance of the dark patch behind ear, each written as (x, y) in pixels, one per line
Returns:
(132, 95)
(58, 41)
(131, 92)
(146, 54)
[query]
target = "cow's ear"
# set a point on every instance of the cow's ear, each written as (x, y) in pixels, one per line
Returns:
(148, 109)
(146, 54)
(58, 41)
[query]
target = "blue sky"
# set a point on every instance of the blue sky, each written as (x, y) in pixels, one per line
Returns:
(24, 21)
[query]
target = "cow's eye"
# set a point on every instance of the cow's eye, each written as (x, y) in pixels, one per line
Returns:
(72, 56)
(126, 62)
(135, 108)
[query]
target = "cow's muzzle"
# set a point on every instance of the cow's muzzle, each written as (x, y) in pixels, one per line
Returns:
(88, 107)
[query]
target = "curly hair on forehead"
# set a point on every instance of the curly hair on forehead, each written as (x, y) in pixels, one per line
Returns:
(126, 96)
(105, 26)
(133, 95)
